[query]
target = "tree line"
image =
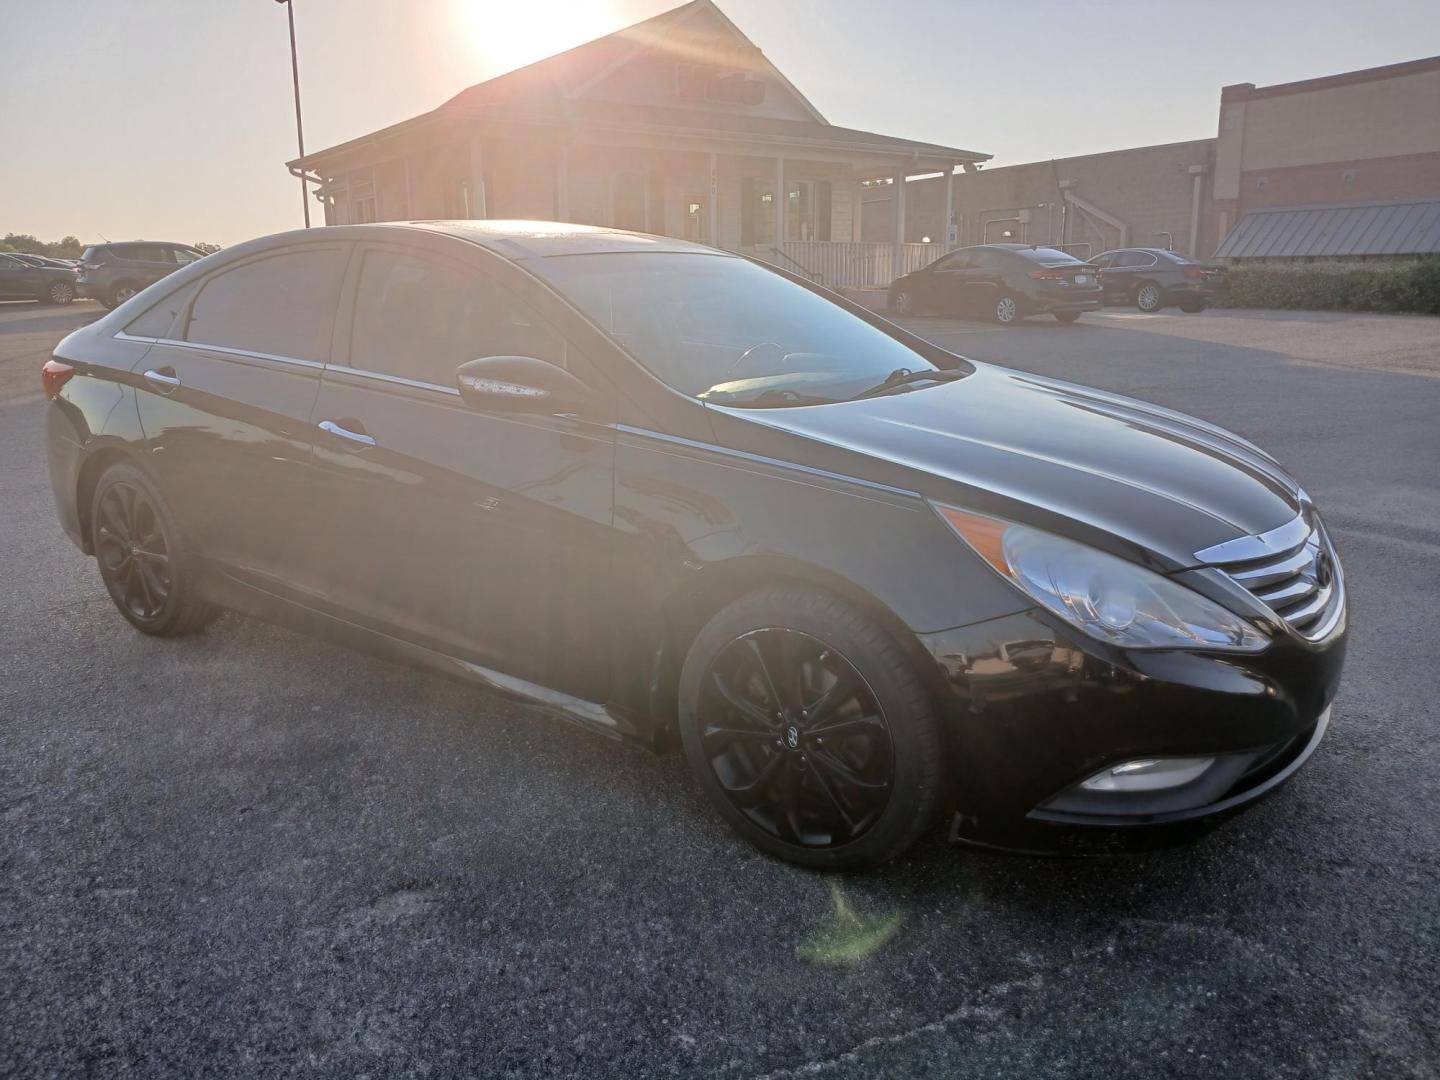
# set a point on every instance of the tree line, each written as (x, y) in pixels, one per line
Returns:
(67, 247)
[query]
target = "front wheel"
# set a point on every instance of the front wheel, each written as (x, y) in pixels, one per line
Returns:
(148, 573)
(1148, 297)
(1067, 316)
(809, 730)
(1007, 310)
(903, 302)
(60, 292)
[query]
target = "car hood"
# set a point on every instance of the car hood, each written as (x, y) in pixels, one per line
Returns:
(1053, 453)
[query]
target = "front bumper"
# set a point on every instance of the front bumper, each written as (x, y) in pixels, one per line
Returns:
(1037, 708)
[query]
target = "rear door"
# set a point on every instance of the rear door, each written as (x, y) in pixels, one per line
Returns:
(226, 397)
(482, 535)
(145, 264)
(947, 280)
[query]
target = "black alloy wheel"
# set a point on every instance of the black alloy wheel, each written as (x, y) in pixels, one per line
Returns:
(809, 730)
(145, 572)
(796, 738)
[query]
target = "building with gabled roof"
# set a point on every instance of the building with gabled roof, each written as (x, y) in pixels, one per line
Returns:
(678, 125)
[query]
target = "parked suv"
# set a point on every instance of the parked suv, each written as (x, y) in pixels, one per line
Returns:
(21, 279)
(1153, 278)
(1004, 282)
(112, 273)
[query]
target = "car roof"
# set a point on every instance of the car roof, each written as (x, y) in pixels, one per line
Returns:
(540, 239)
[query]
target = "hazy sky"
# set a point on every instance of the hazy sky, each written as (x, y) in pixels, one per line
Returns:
(172, 118)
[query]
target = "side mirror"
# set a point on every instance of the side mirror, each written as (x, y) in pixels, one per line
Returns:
(520, 384)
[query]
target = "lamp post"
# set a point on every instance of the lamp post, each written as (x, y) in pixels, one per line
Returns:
(299, 125)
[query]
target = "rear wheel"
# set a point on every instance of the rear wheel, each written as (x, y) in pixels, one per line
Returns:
(1007, 310)
(1192, 307)
(1067, 316)
(122, 292)
(148, 573)
(809, 730)
(1149, 297)
(60, 292)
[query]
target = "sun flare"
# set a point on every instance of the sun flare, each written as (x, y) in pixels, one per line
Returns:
(507, 34)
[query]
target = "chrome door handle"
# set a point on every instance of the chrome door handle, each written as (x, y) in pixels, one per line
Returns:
(345, 433)
(161, 379)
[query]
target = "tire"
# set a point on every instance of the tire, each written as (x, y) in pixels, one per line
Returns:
(1193, 307)
(849, 805)
(903, 303)
(1006, 311)
(149, 574)
(118, 295)
(60, 292)
(1068, 316)
(1149, 296)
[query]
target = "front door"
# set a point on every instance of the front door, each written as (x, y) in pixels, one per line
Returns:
(226, 394)
(484, 536)
(15, 279)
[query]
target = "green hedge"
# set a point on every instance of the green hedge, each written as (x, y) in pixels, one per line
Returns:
(1338, 286)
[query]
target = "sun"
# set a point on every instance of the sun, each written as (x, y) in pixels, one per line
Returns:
(507, 34)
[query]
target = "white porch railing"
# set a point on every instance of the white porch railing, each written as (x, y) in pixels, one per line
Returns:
(857, 265)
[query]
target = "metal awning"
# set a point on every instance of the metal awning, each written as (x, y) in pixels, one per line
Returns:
(1374, 228)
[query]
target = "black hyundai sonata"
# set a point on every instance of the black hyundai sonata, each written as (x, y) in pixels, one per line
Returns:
(680, 497)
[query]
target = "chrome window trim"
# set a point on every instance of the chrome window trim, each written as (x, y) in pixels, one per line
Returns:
(398, 380)
(200, 346)
(121, 335)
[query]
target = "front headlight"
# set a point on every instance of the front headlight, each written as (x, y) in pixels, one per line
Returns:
(1108, 598)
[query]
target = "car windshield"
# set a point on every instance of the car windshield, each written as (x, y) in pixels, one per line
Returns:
(727, 331)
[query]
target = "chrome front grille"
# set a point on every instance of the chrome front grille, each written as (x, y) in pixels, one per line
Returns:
(1292, 570)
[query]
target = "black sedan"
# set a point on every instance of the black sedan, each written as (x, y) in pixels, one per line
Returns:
(680, 498)
(1003, 282)
(1154, 278)
(23, 279)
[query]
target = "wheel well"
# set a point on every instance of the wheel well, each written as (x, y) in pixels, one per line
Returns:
(687, 612)
(90, 473)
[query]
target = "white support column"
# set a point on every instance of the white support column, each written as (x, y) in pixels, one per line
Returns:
(780, 201)
(479, 204)
(897, 245)
(714, 201)
(949, 206)
(562, 181)
(409, 191)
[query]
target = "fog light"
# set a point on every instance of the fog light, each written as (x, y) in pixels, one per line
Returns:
(1149, 774)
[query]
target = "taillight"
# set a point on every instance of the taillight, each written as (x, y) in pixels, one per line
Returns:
(1049, 275)
(54, 375)
(1193, 271)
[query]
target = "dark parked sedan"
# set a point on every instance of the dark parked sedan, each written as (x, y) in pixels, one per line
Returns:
(1153, 278)
(678, 497)
(21, 279)
(1004, 282)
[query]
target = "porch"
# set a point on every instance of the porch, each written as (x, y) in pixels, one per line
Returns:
(719, 194)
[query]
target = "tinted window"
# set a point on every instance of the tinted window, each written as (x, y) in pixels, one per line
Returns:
(1136, 258)
(143, 252)
(183, 255)
(956, 261)
(421, 320)
(987, 259)
(159, 321)
(1103, 261)
(1048, 256)
(10, 264)
(728, 331)
(283, 305)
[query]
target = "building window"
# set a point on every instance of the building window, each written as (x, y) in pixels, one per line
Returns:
(807, 210)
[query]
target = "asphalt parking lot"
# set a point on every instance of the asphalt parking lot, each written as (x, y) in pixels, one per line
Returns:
(252, 853)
